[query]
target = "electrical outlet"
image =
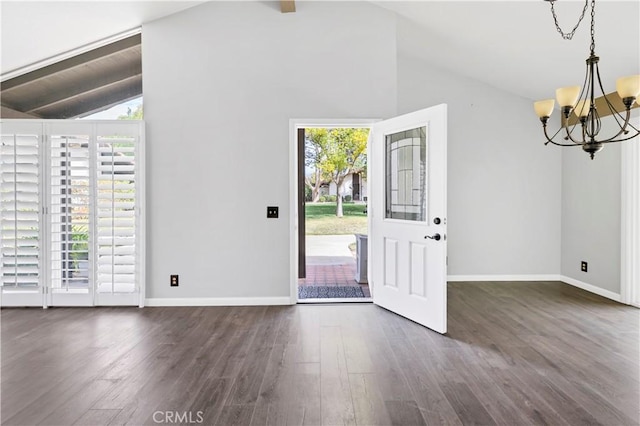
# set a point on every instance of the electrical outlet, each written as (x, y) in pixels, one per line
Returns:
(174, 281)
(272, 212)
(583, 266)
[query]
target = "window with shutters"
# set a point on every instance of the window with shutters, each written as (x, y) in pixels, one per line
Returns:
(116, 215)
(71, 219)
(20, 225)
(70, 212)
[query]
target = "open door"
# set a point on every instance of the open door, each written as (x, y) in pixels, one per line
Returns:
(408, 250)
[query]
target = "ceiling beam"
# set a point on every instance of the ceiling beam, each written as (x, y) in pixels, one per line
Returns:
(287, 6)
(95, 101)
(6, 112)
(84, 92)
(75, 61)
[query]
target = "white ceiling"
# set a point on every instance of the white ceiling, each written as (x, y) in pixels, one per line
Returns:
(32, 31)
(514, 44)
(508, 44)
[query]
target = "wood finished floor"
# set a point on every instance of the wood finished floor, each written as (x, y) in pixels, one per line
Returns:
(516, 354)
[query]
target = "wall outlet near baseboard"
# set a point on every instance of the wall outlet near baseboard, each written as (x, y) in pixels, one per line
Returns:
(583, 266)
(174, 281)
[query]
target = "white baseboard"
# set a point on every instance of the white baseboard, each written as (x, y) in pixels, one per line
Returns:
(568, 280)
(457, 278)
(218, 301)
(265, 301)
(592, 288)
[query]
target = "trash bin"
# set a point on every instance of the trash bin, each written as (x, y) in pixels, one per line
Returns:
(361, 258)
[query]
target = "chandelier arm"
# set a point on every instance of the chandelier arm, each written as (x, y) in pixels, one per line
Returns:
(621, 140)
(623, 128)
(546, 135)
(570, 137)
(624, 131)
(565, 144)
(614, 112)
(551, 139)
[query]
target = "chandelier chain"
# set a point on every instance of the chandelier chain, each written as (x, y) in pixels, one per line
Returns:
(593, 23)
(569, 35)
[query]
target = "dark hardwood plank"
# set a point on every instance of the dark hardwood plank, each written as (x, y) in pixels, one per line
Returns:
(96, 417)
(515, 354)
(236, 415)
(467, 406)
(336, 398)
(404, 413)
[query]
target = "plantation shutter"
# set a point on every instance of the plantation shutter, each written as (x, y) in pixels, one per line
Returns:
(70, 213)
(117, 208)
(71, 222)
(20, 218)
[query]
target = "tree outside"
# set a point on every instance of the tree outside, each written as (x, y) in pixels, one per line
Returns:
(333, 154)
(136, 114)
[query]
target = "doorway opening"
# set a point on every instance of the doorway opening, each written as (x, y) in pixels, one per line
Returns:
(332, 215)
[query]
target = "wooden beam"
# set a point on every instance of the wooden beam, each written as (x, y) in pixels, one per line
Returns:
(97, 100)
(6, 112)
(63, 94)
(132, 42)
(287, 6)
(603, 108)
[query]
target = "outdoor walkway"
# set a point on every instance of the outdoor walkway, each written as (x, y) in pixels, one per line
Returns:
(330, 262)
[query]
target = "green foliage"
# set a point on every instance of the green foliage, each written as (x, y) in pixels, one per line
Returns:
(315, 145)
(344, 152)
(347, 198)
(336, 153)
(327, 199)
(137, 114)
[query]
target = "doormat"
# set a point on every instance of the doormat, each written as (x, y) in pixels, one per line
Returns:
(328, 292)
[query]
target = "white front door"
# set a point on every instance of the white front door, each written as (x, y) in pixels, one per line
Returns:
(408, 158)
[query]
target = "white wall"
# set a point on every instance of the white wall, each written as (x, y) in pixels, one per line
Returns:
(221, 82)
(504, 185)
(591, 214)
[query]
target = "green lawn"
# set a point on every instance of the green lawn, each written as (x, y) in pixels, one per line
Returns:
(322, 219)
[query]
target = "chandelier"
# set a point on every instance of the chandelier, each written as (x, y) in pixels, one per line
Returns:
(582, 102)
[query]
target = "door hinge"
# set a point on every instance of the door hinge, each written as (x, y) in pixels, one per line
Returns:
(446, 261)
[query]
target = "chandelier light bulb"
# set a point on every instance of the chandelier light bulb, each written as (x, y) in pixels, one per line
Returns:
(568, 96)
(628, 87)
(544, 108)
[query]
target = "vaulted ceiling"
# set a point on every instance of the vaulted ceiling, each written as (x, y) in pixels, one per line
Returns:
(508, 44)
(77, 86)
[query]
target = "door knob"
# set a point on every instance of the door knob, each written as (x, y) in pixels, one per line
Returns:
(436, 237)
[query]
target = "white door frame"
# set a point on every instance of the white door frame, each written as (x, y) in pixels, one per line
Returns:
(630, 221)
(294, 125)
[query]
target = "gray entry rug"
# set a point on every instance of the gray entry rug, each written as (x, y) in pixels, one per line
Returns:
(328, 292)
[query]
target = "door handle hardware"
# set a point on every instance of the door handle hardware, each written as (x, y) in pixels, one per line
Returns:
(437, 221)
(436, 237)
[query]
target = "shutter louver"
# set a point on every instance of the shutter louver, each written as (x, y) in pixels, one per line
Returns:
(20, 212)
(116, 215)
(70, 213)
